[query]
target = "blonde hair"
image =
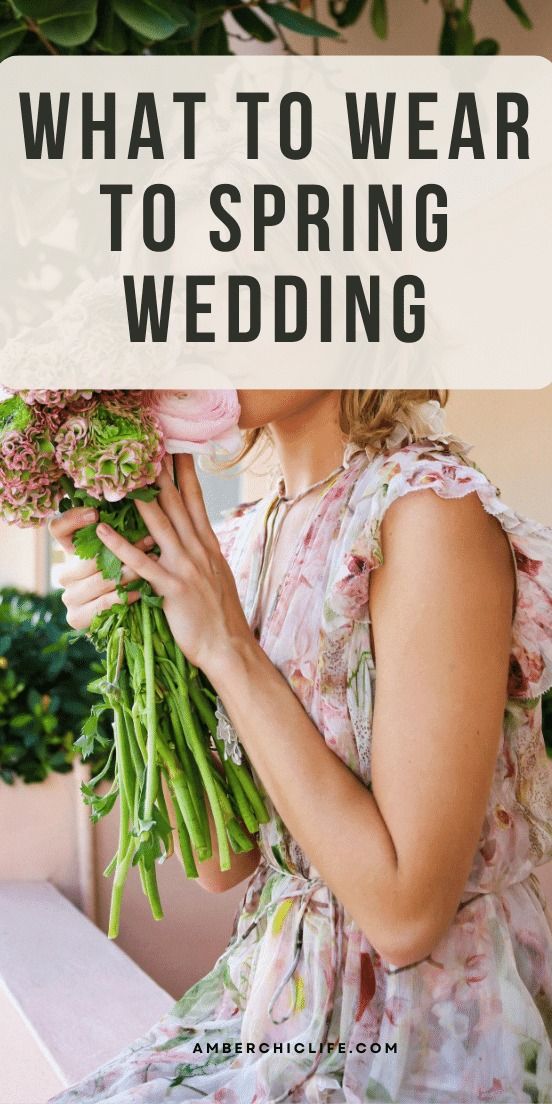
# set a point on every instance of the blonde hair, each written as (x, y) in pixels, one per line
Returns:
(366, 418)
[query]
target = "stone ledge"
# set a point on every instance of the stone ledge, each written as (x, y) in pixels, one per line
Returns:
(80, 997)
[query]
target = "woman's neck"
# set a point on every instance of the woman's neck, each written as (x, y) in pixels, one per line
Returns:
(309, 443)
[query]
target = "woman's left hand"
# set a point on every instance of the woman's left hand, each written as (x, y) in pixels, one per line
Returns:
(201, 601)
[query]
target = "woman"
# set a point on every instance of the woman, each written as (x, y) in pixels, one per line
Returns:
(393, 943)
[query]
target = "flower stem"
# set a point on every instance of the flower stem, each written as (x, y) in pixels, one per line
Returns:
(162, 804)
(126, 846)
(151, 713)
(206, 768)
(179, 785)
(152, 891)
(238, 775)
(183, 836)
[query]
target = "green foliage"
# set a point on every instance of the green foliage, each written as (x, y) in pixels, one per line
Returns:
(123, 517)
(155, 20)
(43, 687)
(295, 20)
(168, 27)
(69, 24)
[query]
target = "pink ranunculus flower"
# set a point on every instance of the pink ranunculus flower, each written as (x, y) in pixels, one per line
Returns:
(198, 421)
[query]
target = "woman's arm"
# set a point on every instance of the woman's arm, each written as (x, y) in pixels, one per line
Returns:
(397, 857)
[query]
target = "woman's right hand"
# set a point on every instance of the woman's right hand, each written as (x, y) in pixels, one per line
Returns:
(85, 591)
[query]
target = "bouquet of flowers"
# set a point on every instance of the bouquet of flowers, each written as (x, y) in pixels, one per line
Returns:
(105, 449)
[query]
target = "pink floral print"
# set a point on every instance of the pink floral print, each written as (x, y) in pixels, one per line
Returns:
(329, 1021)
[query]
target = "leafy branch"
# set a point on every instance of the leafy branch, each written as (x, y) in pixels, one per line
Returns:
(116, 27)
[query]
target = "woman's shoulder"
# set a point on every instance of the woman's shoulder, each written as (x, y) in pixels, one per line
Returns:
(443, 467)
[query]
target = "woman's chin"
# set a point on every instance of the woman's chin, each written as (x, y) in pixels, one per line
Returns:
(261, 407)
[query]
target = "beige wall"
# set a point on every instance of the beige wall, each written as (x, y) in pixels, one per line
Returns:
(512, 437)
(22, 557)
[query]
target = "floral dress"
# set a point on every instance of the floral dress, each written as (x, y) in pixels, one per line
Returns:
(300, 1007)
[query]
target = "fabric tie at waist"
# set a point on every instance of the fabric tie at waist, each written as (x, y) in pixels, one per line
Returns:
(303, 893)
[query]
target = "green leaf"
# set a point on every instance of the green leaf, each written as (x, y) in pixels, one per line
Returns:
(519, 11)
(109, 564)
(209, 12)
(486, 46)
(250, 22)
(86, 543)
(68, 24)
(101, 806)
(154, 19)
(214, 40)
(144, 494)
(447, 41)
(296, 21)
(12, 34)
(96, 686)
(34, 700)
(177, 46)
(348, 13)
(464, 37)
(21, 720)
(153, 601)
(378, 18)
(112, 37)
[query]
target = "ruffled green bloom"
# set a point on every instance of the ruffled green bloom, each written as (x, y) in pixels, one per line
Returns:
(112, 451)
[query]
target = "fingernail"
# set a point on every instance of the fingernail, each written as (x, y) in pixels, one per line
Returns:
(148, 542)
(90, 515)
(103, 530)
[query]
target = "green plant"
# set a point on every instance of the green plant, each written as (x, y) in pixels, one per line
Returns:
(198, 26)
(43, 686)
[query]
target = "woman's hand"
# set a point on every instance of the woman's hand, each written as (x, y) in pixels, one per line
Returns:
(86, 592)
(201, 602)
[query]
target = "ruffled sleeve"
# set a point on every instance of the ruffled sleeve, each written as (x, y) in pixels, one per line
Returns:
(434, 466)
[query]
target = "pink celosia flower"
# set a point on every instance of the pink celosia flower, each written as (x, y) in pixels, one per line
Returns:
(53, 398)
(30, 487)
(198, 421)
(111, 452)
